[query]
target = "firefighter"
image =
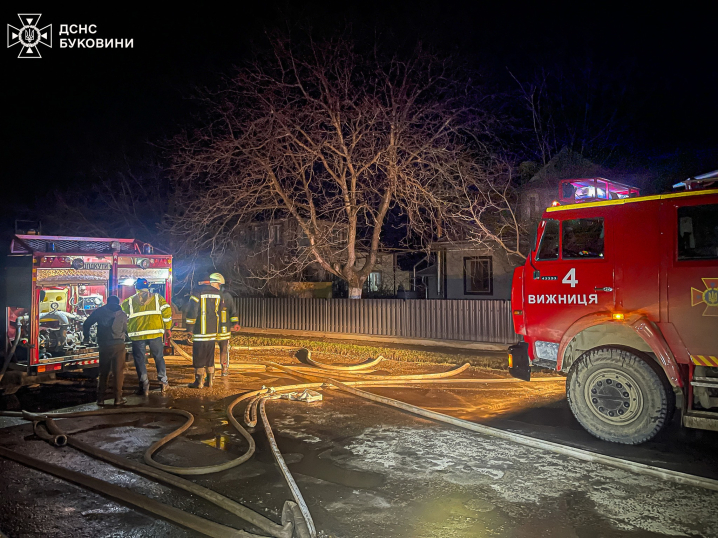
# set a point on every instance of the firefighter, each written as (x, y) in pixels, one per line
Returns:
(228, 318)
(150, 317)
(111, 330)
(204, 321)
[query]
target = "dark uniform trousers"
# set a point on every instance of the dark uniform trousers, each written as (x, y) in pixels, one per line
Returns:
(112, 358)
(203, 354)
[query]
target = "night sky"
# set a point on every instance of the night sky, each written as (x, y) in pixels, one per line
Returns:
(76, 110)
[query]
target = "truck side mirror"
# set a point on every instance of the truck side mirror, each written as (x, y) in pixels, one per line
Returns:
(537, 273)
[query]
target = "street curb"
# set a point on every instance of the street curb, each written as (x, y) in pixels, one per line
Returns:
(426, 342)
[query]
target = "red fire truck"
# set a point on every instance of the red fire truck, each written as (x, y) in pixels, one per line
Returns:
(51, 284)
(621, 292)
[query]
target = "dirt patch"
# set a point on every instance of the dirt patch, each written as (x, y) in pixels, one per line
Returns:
(496, 360)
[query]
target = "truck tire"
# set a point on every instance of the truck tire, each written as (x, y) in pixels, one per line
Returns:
(619, 395)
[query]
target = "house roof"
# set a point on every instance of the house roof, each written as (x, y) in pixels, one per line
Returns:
(566, 164)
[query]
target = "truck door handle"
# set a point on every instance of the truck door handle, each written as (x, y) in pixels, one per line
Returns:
(607, 288)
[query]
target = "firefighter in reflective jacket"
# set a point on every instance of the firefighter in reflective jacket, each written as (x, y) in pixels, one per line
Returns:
(204, 320)
(149, 318)
(229, 321)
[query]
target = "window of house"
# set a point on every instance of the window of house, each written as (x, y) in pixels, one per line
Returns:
(698, 232)
(548, 248)
(582, 238)
(373, 282)
(534, 211)
(275, 234)
(478, 275)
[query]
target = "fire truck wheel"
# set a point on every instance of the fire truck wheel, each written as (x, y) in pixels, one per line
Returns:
(619, 395)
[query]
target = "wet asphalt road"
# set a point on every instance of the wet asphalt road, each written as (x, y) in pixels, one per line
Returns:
(368, 470)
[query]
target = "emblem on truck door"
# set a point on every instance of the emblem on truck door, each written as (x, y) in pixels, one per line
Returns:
(709, 296)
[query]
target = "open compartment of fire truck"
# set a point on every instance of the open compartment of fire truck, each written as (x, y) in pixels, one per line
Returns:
(52, 284)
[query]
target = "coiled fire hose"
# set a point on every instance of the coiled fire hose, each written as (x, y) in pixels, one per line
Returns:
(46, 428)
(190, 521)
(296, 518)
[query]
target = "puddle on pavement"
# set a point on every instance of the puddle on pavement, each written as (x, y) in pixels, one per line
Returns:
(317, 464)
(301, 457)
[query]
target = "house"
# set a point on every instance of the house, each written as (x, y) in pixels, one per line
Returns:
(542, 188)
(461, 270)
(270, 258)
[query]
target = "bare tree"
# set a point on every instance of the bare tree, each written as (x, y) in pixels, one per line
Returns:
(124, 200)
(483, 207)
(578, 107)
(332, 140)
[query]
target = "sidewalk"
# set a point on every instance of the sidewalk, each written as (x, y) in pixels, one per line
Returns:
(369, 339)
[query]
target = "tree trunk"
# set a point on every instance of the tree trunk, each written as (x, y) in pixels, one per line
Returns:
(355, 293)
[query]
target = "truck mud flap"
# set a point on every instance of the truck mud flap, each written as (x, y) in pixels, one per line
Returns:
(519, 364)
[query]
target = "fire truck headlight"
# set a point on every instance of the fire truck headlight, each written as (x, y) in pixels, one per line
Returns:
(127, 282)
(618, 316)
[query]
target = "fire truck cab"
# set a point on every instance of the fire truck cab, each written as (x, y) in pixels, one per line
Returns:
(52, 284)
(621, 293)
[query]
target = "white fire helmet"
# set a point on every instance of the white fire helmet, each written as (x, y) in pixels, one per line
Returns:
(216, 278)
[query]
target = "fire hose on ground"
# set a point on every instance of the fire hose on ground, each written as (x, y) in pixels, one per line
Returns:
(293, 523)
(296, 519)
(584, 455)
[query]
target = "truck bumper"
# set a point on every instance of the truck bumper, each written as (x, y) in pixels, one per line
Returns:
(519, 363)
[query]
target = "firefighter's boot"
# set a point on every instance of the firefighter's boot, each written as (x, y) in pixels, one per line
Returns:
(144, 389)
(225, 367)
(198, 379)
(210, 376)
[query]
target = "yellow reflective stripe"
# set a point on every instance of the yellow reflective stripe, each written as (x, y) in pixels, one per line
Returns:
(623, 201)
(193, 298)
(145, 313)
(192, 321)
(142, 333)
(223, 336)
(204, 315)
(236, 319)
(157, 311)
(209, 296)
(704, 360)
(165, 306)
(203, 337)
